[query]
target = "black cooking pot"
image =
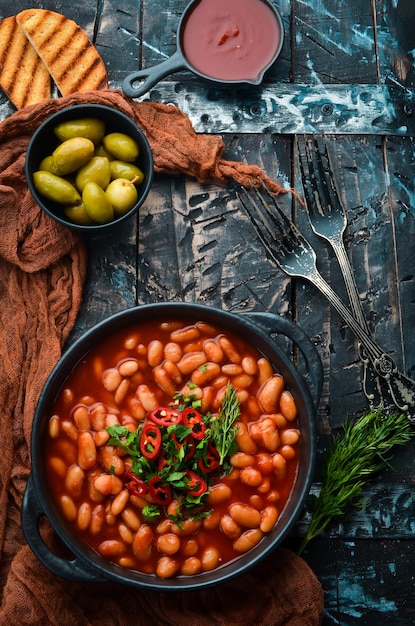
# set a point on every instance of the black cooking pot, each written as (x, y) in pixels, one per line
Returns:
(264, 331)
(138, 83)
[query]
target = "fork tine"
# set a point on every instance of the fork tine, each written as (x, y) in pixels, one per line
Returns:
(280, 232)
(317, 175)
(308, 176)
(265, 233)
(261, 211)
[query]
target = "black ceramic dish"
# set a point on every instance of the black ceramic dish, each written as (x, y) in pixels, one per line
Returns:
(261, 330)
(44, 141)
(138, 83)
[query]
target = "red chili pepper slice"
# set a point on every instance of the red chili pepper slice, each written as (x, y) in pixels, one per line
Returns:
(160, 491)
(196, 485)
(190, 447)
(193, 419)
(164, 416)
(162, 462)
(135, 486)
(150, 441)
(210, 460)
(188, 444)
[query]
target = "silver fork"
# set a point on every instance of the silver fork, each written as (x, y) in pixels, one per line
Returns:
(287, 247)
(328, 220)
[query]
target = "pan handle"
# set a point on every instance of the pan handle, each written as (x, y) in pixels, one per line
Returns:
(276, 324)
(31, 513)
(152, 75)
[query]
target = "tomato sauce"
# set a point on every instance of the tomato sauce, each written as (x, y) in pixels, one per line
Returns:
(233, 40)
(85, 389)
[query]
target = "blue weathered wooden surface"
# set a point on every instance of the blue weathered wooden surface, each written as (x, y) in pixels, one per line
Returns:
(190, 241)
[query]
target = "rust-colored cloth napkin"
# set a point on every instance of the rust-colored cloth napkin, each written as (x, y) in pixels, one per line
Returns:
(42, 271)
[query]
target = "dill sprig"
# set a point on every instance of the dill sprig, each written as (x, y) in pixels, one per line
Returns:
(352, 458)
(223, 429)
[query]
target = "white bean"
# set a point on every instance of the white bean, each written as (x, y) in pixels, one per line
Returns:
(68, 508)
(155, 352)
(121, 391)
(270, 393)
(147, 398)
(120, 502)
(184, 335)
(54, 427)
(87, 451)
(74, 481)
(269, 517)
(128, 368)
(84, 516)
(191, 361)
(210, 558)
(248, 540)
(82, 418)
(111, 378)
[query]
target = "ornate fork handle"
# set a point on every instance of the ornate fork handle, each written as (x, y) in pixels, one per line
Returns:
(371, 386)
(401, 387)
(328, 220)
(285, 245)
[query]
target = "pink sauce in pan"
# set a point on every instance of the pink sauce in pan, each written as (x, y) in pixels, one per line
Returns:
(231, 39)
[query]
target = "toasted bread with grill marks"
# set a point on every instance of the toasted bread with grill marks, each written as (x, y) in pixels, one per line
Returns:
(23, 75)
(72, 60)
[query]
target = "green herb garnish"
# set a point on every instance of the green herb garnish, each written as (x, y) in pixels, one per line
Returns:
(151, 513)
(223, 429)
(177, 452)
(352, 460)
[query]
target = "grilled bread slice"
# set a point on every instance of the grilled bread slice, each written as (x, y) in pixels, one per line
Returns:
(23, 75)
(72, 60)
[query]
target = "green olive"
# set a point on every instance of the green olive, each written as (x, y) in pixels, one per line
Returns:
(97, 169)
(121, 146)
(97, 204)
(46, 164)
(122, 194)
(100, 151)
(122, 169)
(78, 215)
(89, 127)
(55, 188)
(71, 155)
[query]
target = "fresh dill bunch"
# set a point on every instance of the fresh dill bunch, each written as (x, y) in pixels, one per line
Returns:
(352, 459)
(223, 429)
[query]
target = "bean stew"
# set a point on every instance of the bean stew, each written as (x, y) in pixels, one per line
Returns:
(172, 448)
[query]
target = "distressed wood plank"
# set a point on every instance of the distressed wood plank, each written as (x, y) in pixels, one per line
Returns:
(358, 167)
(111, 283)
(387, 511)
(396, 62)
(291, 109)
(334, 41)
(400, 162)
(396, 41)
(365, 581)
(116, 36)
(159, 31)
(210, 241)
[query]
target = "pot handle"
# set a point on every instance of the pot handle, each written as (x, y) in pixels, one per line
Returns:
(152, 75)
(31, 513)
(273, 324)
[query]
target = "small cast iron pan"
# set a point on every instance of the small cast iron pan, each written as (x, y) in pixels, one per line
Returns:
(138, 83)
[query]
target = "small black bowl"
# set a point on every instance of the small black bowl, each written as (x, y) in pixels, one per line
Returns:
(44, 141)
(261, 330)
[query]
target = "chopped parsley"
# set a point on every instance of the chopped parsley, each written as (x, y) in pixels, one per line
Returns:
(177, 452)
